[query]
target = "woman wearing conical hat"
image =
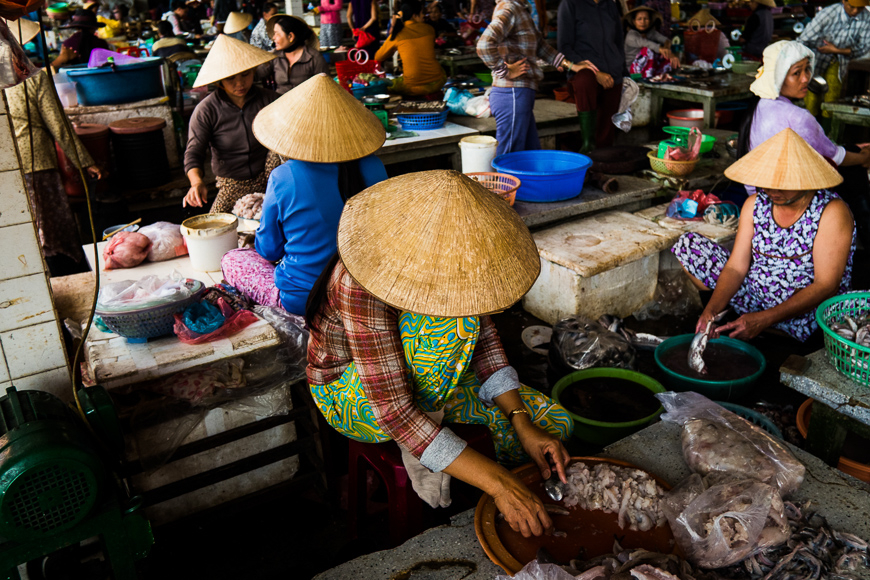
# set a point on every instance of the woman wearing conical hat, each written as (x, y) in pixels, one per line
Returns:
(794, 244)
(329, 139)
(223, 123)
(401, 340)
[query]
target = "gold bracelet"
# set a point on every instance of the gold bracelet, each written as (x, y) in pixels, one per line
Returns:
(516, 412)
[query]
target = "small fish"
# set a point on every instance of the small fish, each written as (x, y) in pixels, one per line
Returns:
(556, 510)
(699, 345)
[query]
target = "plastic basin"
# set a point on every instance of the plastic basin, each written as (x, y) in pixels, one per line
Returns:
(690, 118)
(601, 432)
(126, 83)
(707, 141)
(546, 175)
(714, 390)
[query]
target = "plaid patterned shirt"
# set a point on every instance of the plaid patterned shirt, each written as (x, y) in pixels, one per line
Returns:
(510, 37)
(352, 325)
(841, 30)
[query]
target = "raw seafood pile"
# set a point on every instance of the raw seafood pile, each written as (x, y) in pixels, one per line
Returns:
(717, 440)
(628, 492)
(813, 550)
(854, 329)
(249, 206)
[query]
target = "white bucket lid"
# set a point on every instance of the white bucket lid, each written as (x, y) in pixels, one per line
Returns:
(478, 141)
(209, 225)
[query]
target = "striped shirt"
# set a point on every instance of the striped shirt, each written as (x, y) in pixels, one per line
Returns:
(352, 325)
(511, 37)
(841, 30)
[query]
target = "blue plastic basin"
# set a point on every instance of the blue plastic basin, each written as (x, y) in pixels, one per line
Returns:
(127, 83)
(546, 175)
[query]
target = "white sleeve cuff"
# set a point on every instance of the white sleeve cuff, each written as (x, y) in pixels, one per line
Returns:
(841, 154)
(443, 450)
(500, 382)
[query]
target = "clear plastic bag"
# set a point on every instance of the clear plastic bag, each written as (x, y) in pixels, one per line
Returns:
(143, 293)
(291, 329)
(166, 241)
(534, 570)
(580, 343)
(15, 67)
(675, 295)
(717, 440)
(719, 521)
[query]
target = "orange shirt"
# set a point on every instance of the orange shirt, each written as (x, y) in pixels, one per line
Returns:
(416, 46)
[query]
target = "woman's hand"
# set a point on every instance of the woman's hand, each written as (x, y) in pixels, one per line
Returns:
(604, 79)
(196, 196)
(517, 69)
(865, 157)
(523, 510)
(543, 446)
(828, 48)
(674, 60)
(746, 327)
(578, 66)
(705, 317)
(94, 172)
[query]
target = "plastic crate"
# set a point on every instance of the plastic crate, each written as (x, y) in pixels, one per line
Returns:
(847, 356)
(422, 121)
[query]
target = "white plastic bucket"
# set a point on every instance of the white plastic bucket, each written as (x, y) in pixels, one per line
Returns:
(477, 151)
(208, 238)
(67, 94)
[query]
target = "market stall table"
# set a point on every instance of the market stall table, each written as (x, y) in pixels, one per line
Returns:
(551, 118)
(844, 403)
(453, 551)
(709, 91)
(458, 58)
(843, 114)
(442, 141)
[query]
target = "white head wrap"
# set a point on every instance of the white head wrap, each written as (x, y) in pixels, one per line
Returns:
(778, 58)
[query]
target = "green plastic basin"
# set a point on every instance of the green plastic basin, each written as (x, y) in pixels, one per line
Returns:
(601, 432)
(714, 390)
(707, 141)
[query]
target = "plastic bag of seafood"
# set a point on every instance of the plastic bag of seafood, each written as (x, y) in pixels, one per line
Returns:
(535, 570)
(718, 521)
(580, 343)
(717, 440)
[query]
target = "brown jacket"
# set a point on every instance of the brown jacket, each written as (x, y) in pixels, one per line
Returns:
(219, 124)
(286, 77)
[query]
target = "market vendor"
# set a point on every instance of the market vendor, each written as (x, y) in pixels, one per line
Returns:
(259, 37)
(38, 121)
(837, 34)
(222, 122)
(331, 158)
(784, 78)
(77, 48)
(794, 246)
(168, 44)
(592, 30)
(179, 18)
(758, 30)
(415, 41)
(297, 56)
(401, 340)
(642, 34)
(511, 46)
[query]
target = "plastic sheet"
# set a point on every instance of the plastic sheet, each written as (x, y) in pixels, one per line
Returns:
(15, 67)
(719, 521)
(717, 440)
(126, 250)
(291, 329)
(143, 293)
(166, 241)
(580, 343)
(675, 295)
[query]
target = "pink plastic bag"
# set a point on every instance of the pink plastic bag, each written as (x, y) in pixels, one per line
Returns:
(235, 321)
(126, 250)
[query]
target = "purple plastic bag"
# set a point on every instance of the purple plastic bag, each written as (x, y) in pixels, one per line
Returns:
(100, 56)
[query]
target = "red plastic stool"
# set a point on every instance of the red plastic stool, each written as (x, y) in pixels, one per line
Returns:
(404, 505)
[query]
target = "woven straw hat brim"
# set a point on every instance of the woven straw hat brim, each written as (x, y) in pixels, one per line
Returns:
(29, 30)
(785, 162)
(319, 121)
(229, 57)
(629, 16)
(237, 21)
(768, 3)
(437, 243)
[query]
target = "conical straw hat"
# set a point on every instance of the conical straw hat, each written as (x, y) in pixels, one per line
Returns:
(785, 162)
(237, 21)
(29, 29)
(321, 122)
(437, 243)
(229, 57)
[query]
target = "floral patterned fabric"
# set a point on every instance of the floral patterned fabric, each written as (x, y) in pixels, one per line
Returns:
(782, 262)
(252, 275)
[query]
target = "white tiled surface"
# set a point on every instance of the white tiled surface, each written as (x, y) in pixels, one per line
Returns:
(25, 301)
(20, 255)
(15, 208)
(32, 349)
(448, 130)
(32, 355)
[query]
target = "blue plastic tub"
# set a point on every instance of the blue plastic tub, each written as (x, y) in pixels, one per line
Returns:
(546, 175)
(127, 83)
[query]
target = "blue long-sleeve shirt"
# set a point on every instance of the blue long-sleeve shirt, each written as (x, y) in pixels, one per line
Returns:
(299, 223)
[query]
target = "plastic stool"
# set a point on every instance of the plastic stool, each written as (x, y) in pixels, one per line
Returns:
(404, 505)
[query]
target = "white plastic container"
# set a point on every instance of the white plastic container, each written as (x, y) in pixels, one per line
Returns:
(477, 151)
(208, 238)
(67, 94)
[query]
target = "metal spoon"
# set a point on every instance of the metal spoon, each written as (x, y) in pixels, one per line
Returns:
(554, 488)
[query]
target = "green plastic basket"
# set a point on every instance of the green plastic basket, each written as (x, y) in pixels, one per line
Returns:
(848, 357)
